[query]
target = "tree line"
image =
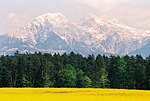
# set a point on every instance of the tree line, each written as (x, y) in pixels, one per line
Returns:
(74, 70)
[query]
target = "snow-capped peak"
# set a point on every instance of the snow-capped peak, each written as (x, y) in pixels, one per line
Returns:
(91, 17)
(54, 16)
(89, 21)
(51, 18)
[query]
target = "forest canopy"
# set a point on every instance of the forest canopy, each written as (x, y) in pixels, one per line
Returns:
(74, 70)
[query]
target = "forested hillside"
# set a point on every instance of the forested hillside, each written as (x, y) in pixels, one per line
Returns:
(74, 70)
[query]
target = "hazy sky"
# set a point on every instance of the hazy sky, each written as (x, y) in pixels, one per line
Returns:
(16, 13)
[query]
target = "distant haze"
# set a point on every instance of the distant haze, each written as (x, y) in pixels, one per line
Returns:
(17, 13)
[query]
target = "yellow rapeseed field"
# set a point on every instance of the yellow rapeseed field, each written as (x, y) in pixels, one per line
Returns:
(72, 94)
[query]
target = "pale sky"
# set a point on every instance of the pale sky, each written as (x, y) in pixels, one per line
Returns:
(17, 13)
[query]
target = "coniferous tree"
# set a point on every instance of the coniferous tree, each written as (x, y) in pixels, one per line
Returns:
(101, 72)
(4, 77)
(114, 72)
(21, 80)
(12, 66)
(90, 69)
(121, 72)
(139, 73)
(129, 72)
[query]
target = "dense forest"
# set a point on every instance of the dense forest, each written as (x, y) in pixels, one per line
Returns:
(74, 70)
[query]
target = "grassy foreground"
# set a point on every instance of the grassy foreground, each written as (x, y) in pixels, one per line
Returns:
(72, 94)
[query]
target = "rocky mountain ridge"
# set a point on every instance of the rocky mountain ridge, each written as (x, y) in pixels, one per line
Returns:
(53, 32)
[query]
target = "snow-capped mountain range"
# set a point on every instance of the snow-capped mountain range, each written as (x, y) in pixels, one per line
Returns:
(53, 32)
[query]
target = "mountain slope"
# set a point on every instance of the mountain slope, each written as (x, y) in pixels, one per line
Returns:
(144, 51)
(53, 32)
